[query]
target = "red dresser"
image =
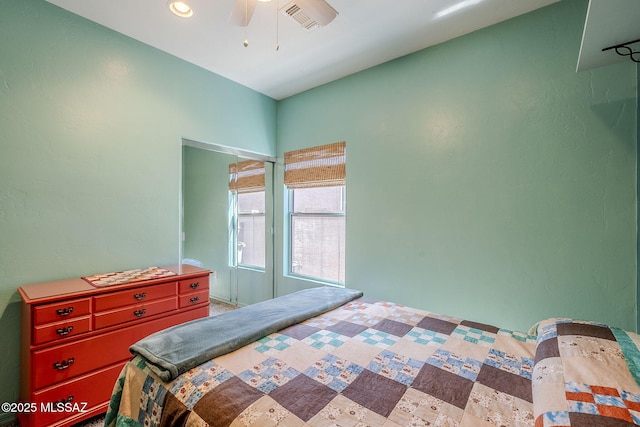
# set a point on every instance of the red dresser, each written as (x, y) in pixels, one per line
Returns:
(76, 337)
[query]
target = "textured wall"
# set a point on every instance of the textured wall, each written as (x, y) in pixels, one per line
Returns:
(90, 151)
(486, 178)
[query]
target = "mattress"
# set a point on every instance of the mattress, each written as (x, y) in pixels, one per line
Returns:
(378, 363)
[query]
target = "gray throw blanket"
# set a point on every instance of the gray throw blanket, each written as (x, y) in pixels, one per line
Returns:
(175, 350)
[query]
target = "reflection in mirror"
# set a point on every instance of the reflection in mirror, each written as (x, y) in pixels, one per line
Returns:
(227, 205)
(247, 187)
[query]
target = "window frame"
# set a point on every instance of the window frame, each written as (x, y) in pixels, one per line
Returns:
(326, 214)
(235, 216)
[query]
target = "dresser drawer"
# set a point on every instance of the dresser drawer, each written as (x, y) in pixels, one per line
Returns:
(192, 285)
(133, 312)
(73, 397)
(58, 311)
(54, 331)
(71, 360)
(133, 296)
(194, 298)
(90, 354)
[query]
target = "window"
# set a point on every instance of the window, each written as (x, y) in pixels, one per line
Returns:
(315, 179)
(251, 229)
(248, 239)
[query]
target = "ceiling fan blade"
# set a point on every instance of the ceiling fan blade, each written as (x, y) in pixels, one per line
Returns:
(242, 12)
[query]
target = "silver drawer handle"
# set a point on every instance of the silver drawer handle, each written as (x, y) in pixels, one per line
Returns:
(140, 296)
(194, 300)
(194, 285)
(61, 366)
(69, 399)
(140, 313)
(64, 311)
(64, 331)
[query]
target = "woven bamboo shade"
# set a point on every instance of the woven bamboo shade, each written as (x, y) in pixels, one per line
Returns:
(246, 176)
(321, 166)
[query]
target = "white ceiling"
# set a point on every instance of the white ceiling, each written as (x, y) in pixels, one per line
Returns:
(608, 23)
(364, 34)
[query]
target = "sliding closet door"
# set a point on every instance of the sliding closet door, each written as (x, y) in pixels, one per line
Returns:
(227, 222)
(205, 217)
(253, 231)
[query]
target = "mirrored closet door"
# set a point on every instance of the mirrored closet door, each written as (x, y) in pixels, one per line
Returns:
(227, 220)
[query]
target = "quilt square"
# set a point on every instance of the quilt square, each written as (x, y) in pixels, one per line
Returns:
(344, 412)
(348, 329)
(264, 412)
(363, 319)
(480, 326)
(506, 382)
(631, 400)
(334, 372)
(426, 337)
(522, 366)
(325, 340)
(320, 322)
(300, 331)
(303, 396)
(376, 338)
(546, 349)
(601, 401)
(416, 408)
(274, 343)
(396, 367)
(152, 391)
(437, 325)
(268, 375)
(474, 335)
(174, 413)
(191, 386)
(459, 365)
(407, 316)
(430, 379)
(393, 327)
(499, 408)
(151, 401)
(585, 330)
(520, 336)
(221, 405)
(375, 392)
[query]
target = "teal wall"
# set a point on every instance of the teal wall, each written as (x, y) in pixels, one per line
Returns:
(486, 178)
(90, 151)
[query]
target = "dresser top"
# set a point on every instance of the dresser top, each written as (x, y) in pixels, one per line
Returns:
(59, 289)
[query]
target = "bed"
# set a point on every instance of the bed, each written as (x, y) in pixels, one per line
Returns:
(360, 362)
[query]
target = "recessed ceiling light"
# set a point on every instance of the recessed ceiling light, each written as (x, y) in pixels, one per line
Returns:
(180, 8)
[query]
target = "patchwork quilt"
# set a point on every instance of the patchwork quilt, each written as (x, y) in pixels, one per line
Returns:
(364, 363)
(375, 363)
(586, 374)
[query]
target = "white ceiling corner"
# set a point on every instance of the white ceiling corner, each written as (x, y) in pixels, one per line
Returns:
(364, 34)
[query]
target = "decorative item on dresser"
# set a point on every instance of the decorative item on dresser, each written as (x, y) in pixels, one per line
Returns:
(76, 335)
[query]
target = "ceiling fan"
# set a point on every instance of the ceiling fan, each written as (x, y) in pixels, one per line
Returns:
(310, 14)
